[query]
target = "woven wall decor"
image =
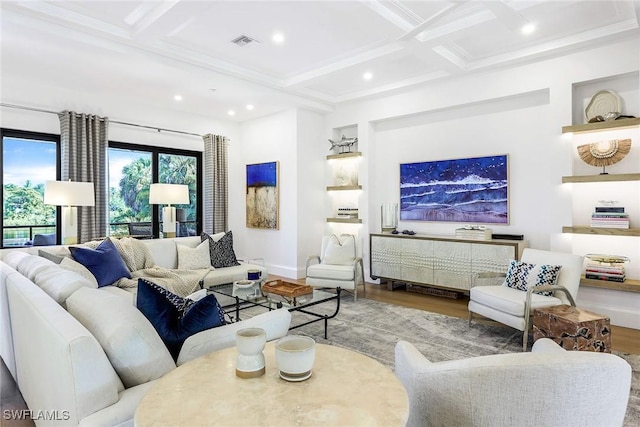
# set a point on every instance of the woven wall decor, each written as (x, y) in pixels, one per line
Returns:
(604, 153)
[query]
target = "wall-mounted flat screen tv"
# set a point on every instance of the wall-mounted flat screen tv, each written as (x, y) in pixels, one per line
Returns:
(473, 190)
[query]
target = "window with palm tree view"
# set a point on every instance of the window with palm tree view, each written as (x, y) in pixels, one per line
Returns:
(131, 171)
(29, 159)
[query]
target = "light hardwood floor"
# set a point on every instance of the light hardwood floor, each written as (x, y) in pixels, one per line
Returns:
(622, 339)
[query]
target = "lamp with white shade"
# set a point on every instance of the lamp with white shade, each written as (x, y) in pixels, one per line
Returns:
(168, 194)
(69, 194)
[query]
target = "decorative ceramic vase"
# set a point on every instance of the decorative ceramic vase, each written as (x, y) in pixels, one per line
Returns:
(250, 360)
(295, 355)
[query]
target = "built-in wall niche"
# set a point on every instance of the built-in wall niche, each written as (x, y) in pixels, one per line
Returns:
(343, 172)
(626, 86)
(342, 137)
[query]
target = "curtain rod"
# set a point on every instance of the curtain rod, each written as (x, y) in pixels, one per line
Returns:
(159, 129)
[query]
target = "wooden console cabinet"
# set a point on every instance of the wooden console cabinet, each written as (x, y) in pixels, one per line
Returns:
(438, 261)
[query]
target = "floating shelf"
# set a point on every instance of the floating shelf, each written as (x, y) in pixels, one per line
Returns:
(344, 155)
(584, 229)
(629, 285)
(344, 187)
(345, 220)
(599, 126)
(602, 178)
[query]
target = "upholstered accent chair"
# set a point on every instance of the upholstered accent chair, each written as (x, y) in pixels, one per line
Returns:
(338, 265)
(512, 306)
(547, 387)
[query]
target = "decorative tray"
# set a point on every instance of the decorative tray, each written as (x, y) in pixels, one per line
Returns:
(286, 289)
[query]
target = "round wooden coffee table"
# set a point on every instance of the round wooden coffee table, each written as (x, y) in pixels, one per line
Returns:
(345, 388)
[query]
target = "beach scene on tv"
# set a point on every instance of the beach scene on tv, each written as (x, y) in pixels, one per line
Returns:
(472, 190)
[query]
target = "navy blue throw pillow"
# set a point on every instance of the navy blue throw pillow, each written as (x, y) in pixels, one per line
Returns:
(104, 262)
(176, 318)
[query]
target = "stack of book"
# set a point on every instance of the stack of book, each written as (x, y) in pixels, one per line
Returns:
(348, 213)
(609, 217)
(473, 233)
(612, 272)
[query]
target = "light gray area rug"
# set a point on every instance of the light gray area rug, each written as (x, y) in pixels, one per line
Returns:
(373, 328)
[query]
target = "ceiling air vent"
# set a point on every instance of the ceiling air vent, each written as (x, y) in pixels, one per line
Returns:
(244, 41)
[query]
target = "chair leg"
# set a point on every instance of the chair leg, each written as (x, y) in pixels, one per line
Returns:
(525, 339)
(470, 317)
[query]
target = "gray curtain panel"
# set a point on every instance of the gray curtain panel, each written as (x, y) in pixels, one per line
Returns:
(216, 186)
(83, 147)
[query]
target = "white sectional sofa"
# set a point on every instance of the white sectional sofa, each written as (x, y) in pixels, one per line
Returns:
(87, 355)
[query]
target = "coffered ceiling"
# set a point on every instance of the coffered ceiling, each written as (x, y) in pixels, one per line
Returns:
(157, 49)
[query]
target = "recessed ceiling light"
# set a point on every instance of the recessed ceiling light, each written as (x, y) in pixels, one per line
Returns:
(367, 76)
(278, 38)
(177, 97)
(231, 113)
(528, 28)
(250, 107)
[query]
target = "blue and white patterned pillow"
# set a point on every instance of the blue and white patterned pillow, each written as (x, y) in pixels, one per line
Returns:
(523, 275)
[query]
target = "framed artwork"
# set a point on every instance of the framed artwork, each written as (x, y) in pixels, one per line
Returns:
(473, 190)
(263, 194)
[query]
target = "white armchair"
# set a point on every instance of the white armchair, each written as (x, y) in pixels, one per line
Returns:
(338, 265)
(547, 387)
(513, 307)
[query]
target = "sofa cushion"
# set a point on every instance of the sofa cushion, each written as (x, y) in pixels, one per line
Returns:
(193, 258)
(12, 258)
(176, 318)
(131, 343)
(30, 266)
(59, 283)
(104, 262)
(523, 275)
(221, 250)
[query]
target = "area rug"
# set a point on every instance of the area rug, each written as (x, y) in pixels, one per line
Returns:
(373, 328)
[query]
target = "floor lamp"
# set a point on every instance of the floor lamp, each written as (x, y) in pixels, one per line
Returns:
(68, 195)
(168, 194)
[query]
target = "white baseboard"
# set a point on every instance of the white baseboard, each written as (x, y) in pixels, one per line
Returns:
(620, 306)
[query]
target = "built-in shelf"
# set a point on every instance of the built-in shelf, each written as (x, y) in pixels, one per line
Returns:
(584, 229)
(344, 155)
(602, 178)
(600, 126)
(344, 187)
(629, 285)
(345, 220)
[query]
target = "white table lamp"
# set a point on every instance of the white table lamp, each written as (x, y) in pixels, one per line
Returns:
(168, 194)
(69, 194)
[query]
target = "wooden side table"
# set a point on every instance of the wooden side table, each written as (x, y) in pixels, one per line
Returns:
(573, 328)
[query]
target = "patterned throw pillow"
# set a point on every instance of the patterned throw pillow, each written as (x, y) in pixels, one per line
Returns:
(193, 258)
(221, 251)
(176, 318)
(523, 275)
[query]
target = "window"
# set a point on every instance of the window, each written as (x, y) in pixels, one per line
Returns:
(179, 169)
(27, 159)
(129, 180)
(132, 168)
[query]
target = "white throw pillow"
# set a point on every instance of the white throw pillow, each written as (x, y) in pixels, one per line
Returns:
(131, 343)
(194, 258)
(340, 250)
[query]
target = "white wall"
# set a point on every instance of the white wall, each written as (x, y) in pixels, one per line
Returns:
(520, 112)
(267, 139)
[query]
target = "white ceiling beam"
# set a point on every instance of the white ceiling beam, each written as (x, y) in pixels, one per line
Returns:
(384, 50)
(415, 31)
(149, 16)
